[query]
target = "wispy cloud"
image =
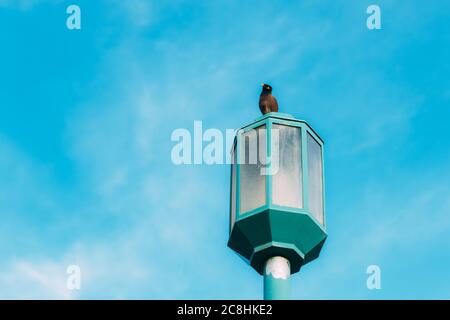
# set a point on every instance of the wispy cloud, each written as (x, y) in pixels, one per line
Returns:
(35, 280)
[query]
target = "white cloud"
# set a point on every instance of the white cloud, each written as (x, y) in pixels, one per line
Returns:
(34, 280)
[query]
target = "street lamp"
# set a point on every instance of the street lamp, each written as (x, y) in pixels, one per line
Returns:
(277, 220)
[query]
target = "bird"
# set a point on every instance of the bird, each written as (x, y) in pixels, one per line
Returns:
(267, 102)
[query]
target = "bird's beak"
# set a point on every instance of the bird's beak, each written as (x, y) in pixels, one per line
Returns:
(262, 84)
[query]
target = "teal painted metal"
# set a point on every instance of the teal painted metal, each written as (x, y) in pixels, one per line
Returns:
(238, 174)
(276, 289)
(269, 154)
(273, 230)
(291, 233)
(304, 169)
(324, 218)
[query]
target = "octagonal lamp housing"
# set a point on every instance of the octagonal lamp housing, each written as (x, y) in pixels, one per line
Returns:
(277, 192)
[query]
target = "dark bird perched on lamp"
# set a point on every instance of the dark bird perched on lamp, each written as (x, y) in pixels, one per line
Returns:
(267, 102)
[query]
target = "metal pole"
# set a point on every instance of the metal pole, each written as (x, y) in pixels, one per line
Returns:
(277, 285)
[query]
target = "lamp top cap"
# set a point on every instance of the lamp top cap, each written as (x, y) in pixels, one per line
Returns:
(279, 115)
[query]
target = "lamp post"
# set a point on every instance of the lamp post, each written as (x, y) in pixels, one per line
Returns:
(277, 220)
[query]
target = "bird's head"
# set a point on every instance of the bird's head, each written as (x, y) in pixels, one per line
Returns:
(266, 88)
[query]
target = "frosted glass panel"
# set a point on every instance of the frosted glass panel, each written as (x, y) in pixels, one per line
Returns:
(315, 186)
(252, 182)
(287, 182)
(233, 190)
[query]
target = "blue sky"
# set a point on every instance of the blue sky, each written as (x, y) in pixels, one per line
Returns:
(86, 117)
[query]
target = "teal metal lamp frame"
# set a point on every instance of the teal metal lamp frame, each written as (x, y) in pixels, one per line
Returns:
(273, 230)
